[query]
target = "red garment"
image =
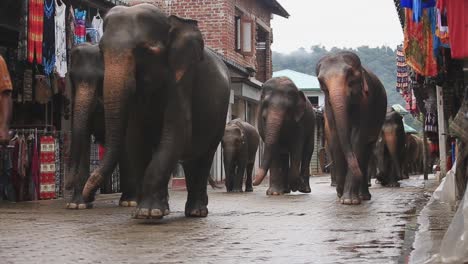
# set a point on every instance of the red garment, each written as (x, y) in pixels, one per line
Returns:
(47, 176)
(101, 151)
(457, 19)
(418, 46)
(35, 30)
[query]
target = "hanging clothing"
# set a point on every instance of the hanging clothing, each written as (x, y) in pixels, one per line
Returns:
(35, 30)
(5, 81)
(98, 23)
(7, 190)
(35, 169)
(23, 32)
(27, 85)
(402, 71)
(48, 44)
(60, 39)
(457, 11)
(92, 35)
(418, 46)
(47, 171)
(80, 26)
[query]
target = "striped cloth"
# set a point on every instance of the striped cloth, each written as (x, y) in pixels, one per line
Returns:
(36, 28)
(47, 168)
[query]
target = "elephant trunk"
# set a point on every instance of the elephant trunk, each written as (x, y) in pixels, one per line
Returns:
(339, 105)
(84, 103)
(274, 121)
(119, 83)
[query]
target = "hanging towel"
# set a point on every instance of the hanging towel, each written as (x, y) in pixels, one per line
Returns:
(47, 171)
(35, 30)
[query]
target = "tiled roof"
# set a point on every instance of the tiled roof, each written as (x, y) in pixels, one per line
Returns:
(303, 81)
(276, 7)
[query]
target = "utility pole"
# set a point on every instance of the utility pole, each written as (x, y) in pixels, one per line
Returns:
(425, 156)
(441, 126)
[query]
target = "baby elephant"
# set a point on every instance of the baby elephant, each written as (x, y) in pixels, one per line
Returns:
(240, 143)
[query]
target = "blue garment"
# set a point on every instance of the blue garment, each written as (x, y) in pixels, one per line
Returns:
(93, 35)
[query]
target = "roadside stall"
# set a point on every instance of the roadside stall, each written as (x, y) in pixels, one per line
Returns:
(36, 37)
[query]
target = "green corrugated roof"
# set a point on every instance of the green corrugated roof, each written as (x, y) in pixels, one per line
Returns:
(409, 129)
(303, 81)
(400, 109)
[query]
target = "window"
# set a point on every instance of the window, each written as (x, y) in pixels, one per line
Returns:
(244, 35)
(314, 100)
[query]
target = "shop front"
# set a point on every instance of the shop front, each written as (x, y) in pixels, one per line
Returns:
(36, 37)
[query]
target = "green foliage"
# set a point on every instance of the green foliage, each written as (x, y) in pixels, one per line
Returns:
(380, 60)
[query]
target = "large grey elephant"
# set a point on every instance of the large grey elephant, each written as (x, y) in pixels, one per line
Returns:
(355, 107)
(240, 144)
(86, 77)
(160, 80)
(286, 123)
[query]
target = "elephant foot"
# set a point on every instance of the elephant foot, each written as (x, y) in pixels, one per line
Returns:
(77, 202)
(79, 206)
(365, 197)
(274, 191)
(151, 210)
(196, 209)
(392, 184)
(128, 203)
(248, 189)
(298, 185)
(127, 200)
(350, 199)
(333, 184)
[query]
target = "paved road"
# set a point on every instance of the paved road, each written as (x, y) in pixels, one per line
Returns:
(241, 228)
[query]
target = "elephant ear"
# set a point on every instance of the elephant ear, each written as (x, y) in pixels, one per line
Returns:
(185, 45)
(300, 107)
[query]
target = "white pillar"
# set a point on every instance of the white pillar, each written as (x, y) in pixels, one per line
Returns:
(442, 133)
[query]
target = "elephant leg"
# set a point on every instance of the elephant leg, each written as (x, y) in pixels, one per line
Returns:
(339, 169)
(278, 179)
(305, 167)
(197, 173)
(239, 176)
(356, 187)
(248, 180)
(77, 201)
(364, 193)
(127, 183)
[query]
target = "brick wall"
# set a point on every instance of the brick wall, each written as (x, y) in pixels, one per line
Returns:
(217, 24)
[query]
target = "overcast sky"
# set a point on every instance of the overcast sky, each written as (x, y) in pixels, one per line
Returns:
(336, 23)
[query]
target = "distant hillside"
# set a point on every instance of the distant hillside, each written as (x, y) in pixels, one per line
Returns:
(380, 60)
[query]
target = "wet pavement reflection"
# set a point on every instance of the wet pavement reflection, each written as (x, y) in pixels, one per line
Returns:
(240, 228)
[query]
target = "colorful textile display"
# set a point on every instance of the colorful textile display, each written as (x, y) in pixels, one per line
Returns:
(35, 30)
(402, 70)
(457, 15)
(418, 45)
(80, 26)
(47, 171)
(60, 39)
(48, 42)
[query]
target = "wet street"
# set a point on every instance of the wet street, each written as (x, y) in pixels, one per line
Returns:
(240, 228)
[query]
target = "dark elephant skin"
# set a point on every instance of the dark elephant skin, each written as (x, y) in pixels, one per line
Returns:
(393, 141)
(86, 76)
(160, 80)
(414, 150)
(355, 106)
(286, 123)
(240, 144)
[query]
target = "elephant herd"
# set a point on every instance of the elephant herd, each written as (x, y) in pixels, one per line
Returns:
(155, 96)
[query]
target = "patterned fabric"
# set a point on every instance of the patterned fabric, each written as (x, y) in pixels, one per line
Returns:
(47, 175)
(60, 39)
(5, 81)
(80, 26)
(35, 30)
(23, 32)
(418, 46)
(402, 70)
(58, 183)
(70, 30)
(48, 44)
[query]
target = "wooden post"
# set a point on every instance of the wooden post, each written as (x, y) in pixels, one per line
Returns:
(425, 152)
(441, 127)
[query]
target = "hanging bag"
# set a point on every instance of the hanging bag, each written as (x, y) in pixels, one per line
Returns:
(43, 90)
